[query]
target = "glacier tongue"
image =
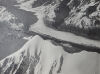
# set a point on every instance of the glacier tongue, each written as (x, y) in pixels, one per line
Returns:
(50, 55)
(39, 56)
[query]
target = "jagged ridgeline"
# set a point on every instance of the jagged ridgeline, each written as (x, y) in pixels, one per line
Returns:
(81, 17)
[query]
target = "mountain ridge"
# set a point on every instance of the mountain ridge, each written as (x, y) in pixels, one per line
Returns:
(62, 36)
(38, 56)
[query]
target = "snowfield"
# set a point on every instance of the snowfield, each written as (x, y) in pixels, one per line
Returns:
(43, 57)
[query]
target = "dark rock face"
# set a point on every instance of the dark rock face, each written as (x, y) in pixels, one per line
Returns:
(61, 12)
(80, 19)
(77, 16)
(41, 2)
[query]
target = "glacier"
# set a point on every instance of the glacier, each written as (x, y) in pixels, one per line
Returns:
(50, 36)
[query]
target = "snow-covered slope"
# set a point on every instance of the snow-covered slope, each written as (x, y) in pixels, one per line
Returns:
(56, 50)
(39, 56)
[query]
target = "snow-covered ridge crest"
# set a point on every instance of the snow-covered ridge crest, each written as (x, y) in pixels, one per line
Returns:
(41, 56)
(33, 51)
